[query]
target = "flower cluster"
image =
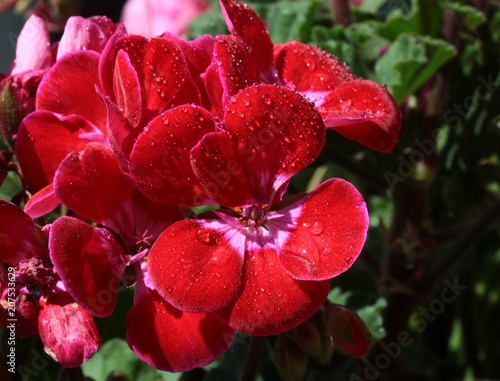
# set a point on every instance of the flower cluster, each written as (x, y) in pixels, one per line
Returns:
(134, 134)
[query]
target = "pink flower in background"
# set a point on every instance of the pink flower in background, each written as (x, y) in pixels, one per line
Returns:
(154, 17)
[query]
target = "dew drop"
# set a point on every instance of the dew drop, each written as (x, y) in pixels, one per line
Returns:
(267, 100)
(317, 227)
(349, 260)
(205, 236)
(221, 257)
(310, 65)
(326, 251)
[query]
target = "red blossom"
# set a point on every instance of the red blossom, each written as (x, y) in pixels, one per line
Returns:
(42, 307)
(359, 109)
(93, 261)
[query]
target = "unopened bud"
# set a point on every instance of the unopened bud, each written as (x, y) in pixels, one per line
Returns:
(314, 338)
(290, 360)
(10, 114)
(349, 332)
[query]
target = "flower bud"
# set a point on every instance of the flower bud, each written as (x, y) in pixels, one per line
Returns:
(10, 114)
(290, 360)
(348, 330)
(314, 338)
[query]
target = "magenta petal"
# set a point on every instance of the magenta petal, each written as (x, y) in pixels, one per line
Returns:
(33, 47)
(194, 267)
(75, 76)
(160, 160)
(42, 202)
(271, 302)
(246, 24)
(329, 233)
(127, 89)
(20, 238)
(363, 111)
(43, 141)
(89, 262)
(276, 133)
(173, 340)
(308, 69)
(69, 333)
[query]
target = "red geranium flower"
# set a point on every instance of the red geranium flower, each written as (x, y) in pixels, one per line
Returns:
(259, 263)
(32, 297)
(359, 109)
(94, 261)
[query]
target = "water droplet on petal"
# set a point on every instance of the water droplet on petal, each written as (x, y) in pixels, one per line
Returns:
(206, 236)
(221, 257)
(317, 227)
(267, 100)
(326, 251)
(349, 260)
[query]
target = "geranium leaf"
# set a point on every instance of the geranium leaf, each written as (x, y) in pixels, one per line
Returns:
(409, 62)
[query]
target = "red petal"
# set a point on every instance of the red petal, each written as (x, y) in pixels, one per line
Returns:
(121, 135)
(309, 69)
(276, 133)
(329, 234)
(26, 308)
(214, 90)
(69, 333)
(235, 65)
(20, 238)
(89, 262)
(42, 202)
(104, 196)
(90, 183)
(127, 89)
(271, 302)
(43, 141)
(194, 267)
(246, 24)
(218, 167)
(69, 88)
(172, 340)
(160, 159)
(160, 66)
(363, 111)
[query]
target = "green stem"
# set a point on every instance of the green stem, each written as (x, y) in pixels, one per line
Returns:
(445, 261)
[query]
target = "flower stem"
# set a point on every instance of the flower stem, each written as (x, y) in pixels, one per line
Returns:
(341, 12)
(252, 358)
(459, 247)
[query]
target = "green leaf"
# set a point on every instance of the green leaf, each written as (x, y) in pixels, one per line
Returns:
(409, 62)
(288, 21)
(332, 40)
(115, 355)
(11, 186)
(470, 17)
(421, 17)
(372, 316)
(210, 22)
